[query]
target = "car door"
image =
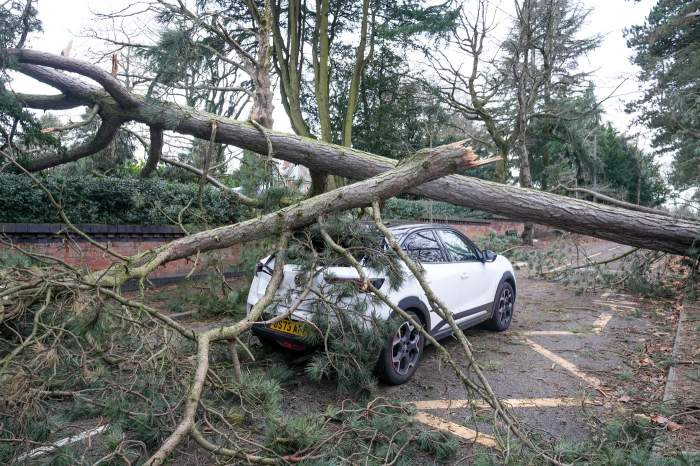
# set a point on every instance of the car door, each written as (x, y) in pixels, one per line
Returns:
(472, 290)
(424, 247)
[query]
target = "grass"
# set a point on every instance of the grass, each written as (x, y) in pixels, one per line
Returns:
(492, 365)
(626, 374)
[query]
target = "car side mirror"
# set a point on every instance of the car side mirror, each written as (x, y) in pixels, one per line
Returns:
(489, 256)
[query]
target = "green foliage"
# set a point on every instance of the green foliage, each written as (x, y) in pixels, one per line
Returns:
(395, 116)
(501, 244)
(585, 153)
(12, 23)
(667, 49)
(9, 259)
(260, 392)
(624, 166)
(442, 446)
(376, 434)
(81, 410)
(147, 428)
(410, 209)
(352, 354)
(292, 434)
(208, 303)
(111, 200)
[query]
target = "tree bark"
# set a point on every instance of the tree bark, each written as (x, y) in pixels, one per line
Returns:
(644, 230)
(155, 151)
(617, 202)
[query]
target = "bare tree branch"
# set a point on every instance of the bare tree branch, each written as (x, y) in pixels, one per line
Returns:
(243, 199)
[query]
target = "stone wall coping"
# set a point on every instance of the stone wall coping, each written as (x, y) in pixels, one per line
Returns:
(99, 229)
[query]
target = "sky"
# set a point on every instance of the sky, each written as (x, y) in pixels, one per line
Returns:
(66, 20)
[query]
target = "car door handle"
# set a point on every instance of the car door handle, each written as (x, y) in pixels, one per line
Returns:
(464, 275)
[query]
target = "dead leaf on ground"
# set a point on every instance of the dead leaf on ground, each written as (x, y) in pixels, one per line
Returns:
(673, 426)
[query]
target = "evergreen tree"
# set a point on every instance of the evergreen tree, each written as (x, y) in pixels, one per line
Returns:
(667, 49)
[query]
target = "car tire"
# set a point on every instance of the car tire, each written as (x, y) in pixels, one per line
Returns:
(403, 351)
(503, 306)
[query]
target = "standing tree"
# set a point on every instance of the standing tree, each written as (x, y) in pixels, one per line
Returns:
(668, 53)
(313, 42)
(541, 52)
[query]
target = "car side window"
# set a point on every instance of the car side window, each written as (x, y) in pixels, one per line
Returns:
(457, 249)
(423, 247)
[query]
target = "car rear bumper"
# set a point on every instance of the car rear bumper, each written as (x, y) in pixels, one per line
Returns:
(285, 340)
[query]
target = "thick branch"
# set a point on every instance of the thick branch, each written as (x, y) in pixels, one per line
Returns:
(105, 79)
(155, 150)
(72, 87)
(48, 102)
(103, 137)
(616, 202)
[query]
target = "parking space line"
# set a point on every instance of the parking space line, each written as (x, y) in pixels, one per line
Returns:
(591, 380)
(513, 403)
(547, 332)
(456, 429)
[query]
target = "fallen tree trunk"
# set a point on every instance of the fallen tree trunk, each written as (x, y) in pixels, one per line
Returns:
(425, 165)
(644, 230)
(611, 200)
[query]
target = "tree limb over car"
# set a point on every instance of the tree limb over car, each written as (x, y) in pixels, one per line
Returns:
(640, 229)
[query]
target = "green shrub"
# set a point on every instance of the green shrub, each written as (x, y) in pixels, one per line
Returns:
(110, 200)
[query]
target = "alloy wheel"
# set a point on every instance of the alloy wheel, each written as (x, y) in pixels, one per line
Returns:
(405, 349)
(505, 306)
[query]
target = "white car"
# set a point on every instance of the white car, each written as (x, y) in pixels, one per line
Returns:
(479, 287)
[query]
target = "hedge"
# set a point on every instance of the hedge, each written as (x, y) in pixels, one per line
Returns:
(125, 201)
(110, 200)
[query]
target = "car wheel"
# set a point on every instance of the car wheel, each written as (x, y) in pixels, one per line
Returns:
(402, 353)
(503, 306)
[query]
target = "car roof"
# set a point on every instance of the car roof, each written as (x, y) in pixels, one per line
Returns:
(403, 228)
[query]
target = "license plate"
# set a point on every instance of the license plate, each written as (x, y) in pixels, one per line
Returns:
(290, 326)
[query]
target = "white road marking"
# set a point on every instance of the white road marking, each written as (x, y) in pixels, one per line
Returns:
(598, 326)
(594, 255)
(66, 441)
(513, 403)
(571, 367)
(456, 429)
(547, 332)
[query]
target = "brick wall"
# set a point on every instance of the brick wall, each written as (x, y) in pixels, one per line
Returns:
(49, 239)
(123, 239)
